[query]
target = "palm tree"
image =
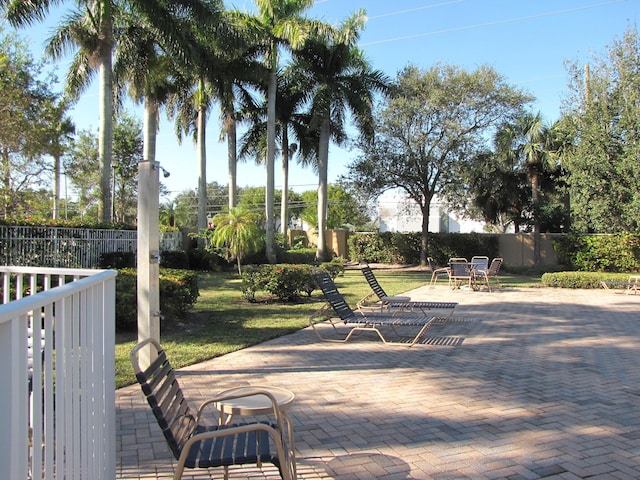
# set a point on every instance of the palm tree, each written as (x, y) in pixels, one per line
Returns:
(89, 31)
(290, 120)
(342, 79)
(222, 73)
(525, 142)
(237, 233)
(277, 24)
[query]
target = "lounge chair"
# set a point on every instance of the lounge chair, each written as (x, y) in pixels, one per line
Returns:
(437, 272)
(491, 272)
(196, 444)
(364, 321)
(387, 302)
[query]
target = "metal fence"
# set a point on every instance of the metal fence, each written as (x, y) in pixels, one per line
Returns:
(62, 247)
(57, 406)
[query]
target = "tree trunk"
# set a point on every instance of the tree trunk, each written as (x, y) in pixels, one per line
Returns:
(105, 93)
(56, 187)
(535, 186)
(322, 251)
(270, 163)
(232, 160)
(105, 138)
(424, 241)
(284, 207)
(202, 166)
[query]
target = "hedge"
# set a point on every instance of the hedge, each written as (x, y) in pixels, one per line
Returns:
(392, 247)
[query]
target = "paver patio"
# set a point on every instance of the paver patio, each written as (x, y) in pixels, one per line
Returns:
(521, 384)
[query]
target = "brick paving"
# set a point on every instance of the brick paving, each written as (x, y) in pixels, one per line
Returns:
(520, 384)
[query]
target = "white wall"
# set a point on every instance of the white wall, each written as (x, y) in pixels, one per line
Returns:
(397, 213)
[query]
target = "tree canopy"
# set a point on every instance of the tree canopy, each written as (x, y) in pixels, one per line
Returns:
(603, 112)
(429, 128)
(30, 117)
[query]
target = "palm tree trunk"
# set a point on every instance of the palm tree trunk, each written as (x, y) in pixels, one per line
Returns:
(202, 164)
(232, 160)
(284, 207)
(322, 251)
(105, 139)
(271, 147)
(535, 186)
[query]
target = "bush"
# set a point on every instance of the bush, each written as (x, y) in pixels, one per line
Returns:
(117, 260)
(388, 247)
(335, 267)
(299, 255)
(203, 260)
(178, 294)
(581, 279)
(600, 253)
(284, 281)
(174, 259)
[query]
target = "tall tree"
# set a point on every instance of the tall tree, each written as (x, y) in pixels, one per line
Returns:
(87, 29)
(29, 117)
(342, 80)
(428, 129)
(292, 124)
(524, 143)
(603, 111)
(277, 24)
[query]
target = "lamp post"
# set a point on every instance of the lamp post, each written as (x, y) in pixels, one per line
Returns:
(114, 166)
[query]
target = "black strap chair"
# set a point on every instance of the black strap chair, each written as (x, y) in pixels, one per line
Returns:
(196, 444)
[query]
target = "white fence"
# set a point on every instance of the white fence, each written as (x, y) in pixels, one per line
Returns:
(57, 406)
(63, 247)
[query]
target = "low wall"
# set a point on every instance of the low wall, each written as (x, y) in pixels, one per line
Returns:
(517, 248)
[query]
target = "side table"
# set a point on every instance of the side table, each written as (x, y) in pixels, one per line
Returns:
(259, 404)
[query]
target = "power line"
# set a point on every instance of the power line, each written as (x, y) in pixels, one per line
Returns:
(426, 7)
(490, 24)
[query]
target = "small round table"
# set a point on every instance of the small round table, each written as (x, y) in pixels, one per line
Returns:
(255, 405)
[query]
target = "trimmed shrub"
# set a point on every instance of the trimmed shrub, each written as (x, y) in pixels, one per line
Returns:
(388, 247)
(178, 293)
(174, 259)
(581, 279)
(117, 260)
(284, 281)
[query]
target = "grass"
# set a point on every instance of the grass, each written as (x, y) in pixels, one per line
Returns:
(223, 321)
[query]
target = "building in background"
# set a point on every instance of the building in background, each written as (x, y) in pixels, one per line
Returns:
(398, 213)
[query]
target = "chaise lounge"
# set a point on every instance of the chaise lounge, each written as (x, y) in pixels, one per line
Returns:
(365, 321)
(404, 303)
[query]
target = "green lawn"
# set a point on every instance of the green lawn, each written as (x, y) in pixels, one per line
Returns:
(223, 321)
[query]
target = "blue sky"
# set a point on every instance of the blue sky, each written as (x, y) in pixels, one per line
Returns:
(527, 41)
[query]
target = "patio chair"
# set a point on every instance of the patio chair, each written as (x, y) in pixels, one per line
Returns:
(386, 302)
(459, 273)
(492, 272)
(478, 264)
(196, 444)
(437, 272)
(364, 321)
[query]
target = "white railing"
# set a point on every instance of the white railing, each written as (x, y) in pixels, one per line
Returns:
(64, 247)
(57, 406)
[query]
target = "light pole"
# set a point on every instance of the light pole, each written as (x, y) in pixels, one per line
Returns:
(114, 165)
